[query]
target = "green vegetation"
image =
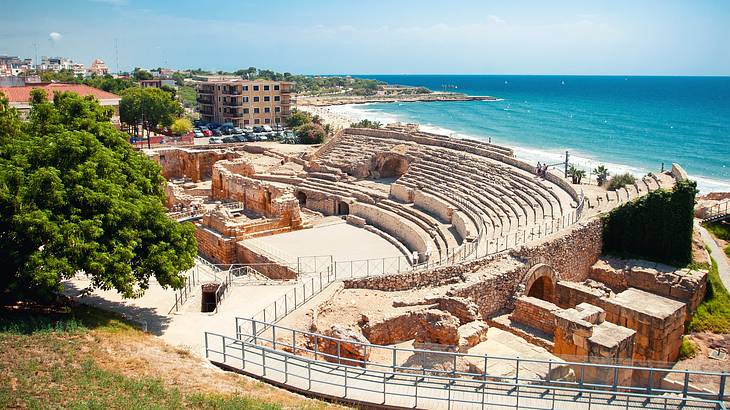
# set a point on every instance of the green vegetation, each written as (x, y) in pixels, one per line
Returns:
(59, 357)
(105, 82)
(181, 126)
(713, 314)
(688, 349)
(366, 124)
(620, 181)
(601, 174)
(310, 133)
(656, 226)
(75, 196)
(720, 230)
(139, 74)
(187, 95)
(153, 105)
(576, 175)
(298, 118)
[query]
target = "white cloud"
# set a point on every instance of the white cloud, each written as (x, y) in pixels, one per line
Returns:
(55, 36)
(492, 19)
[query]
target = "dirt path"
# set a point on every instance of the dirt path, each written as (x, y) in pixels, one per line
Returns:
(723, 267)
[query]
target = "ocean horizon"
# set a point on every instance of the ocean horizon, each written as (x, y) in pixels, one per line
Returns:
(628, 123)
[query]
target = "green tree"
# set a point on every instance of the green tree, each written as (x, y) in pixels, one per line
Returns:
(61, 76)
(169, 89)
(366, 124)
(575, 174)
(76, 197)
(182, 126)
(310, 133)
(601, 174)
(141, 74)
(298, 118)
(152, 105)
(620, 181)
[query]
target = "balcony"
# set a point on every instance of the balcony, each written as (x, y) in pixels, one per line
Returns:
(205, 110)
(231, 102)
(231, 91)
(205, 89)
(231, 113)
(204, 99)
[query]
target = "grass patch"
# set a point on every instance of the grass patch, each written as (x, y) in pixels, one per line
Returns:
(49, 360)
(688, 349)
(187, 95)
(713, 314)
(720, 230)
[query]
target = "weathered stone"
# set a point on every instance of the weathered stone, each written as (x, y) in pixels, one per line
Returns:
(351, 345)
(471, 334)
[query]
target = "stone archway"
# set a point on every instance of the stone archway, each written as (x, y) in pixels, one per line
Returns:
(343, 208)
(389, 165)
(540, 282)
(302, 198)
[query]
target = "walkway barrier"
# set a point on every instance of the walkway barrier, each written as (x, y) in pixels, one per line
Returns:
(717, 212)
(182, 295)
(428, 378)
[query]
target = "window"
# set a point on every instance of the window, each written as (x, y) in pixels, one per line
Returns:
(245, 99)
(255, 99)
(256, 110)
(267, 98)
(162, 158)
(276, 87)
(268, 120)
(245, 88)
(277, 98)
(266, 88)
(256, 121)
(277, 109)
(246, 122)
(267, 109)
(255, 87)
(245, 110)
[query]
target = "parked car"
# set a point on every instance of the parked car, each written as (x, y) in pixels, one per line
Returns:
(267, 128)
(240, 137)
(230, 140)
(217, 132)
(214, 125)
(258, 128)
(215, 140)
(207, 132)
(198, 134)
(237, 130)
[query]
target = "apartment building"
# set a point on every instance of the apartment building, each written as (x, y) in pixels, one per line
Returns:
(244, 102)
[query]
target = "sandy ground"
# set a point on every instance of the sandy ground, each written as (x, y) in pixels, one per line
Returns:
(341, 240)
(336, 120)
(706, 343)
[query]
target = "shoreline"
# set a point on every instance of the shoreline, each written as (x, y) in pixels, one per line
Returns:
(324, 101)
(339, 116)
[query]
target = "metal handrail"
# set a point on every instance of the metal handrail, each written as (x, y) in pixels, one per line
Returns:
(183, 294)
(485, 385)
(257, 327)
(720, 209)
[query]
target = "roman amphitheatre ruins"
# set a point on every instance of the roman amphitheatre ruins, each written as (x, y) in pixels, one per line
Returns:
(410, 253)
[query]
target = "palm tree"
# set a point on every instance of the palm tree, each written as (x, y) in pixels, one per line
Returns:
(601, 174)
(576, 174)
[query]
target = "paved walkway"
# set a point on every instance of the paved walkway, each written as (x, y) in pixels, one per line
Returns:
(723, 267)
(408, 390)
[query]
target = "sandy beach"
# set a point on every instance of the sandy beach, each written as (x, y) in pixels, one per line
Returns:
(336, 120)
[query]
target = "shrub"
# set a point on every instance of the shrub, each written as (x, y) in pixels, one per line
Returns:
(656, 226)
(688, 349)
(713, 314)
(310, 133)
(366, 124)
(620, 181)
(182, 126)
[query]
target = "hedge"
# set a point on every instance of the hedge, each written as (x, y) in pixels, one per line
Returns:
(656, 226)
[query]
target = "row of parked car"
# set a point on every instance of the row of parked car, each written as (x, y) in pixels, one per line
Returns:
(228, 133)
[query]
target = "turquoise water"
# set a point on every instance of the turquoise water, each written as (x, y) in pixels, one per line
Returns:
(628, 123)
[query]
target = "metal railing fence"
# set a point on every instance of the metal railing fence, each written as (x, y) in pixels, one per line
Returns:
(585, 375)
(183, 294)
(425, 390)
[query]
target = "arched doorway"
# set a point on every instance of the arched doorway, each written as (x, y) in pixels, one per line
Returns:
(542, 288)
(302, 198)
(540, 282)
(343, 208)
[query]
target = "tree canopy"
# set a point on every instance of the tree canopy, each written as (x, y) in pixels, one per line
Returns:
(155, 106)
(141, 74)
(76, 197)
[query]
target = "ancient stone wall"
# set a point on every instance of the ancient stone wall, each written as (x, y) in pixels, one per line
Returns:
(193, 164)
(262, 263)
(216, 247)
(571, 252)
(433, 205)
(536, 313)
(492, 292)
(392, 224)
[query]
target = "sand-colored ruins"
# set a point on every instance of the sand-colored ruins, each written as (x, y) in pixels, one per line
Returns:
(493, 257)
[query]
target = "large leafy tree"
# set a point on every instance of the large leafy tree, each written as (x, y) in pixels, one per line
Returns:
(75, 197)
(153, 105)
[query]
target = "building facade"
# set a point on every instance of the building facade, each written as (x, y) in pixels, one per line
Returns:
(244, 102)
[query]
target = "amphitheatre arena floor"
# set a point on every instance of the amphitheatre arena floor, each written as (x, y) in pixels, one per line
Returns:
(344, 242)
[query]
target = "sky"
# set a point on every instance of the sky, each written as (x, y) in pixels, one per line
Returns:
(617, 37)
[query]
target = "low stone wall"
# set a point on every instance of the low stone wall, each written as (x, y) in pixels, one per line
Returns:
(686, 285)
(393, 225)
(216, 247)
(266, 266)
(493, 292)
(433, 205)
(193, 164)
(535, 313)
(571, 252)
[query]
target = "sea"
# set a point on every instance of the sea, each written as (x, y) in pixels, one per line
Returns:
(629, 124)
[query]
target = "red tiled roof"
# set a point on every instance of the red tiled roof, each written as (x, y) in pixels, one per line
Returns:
(22, 94)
